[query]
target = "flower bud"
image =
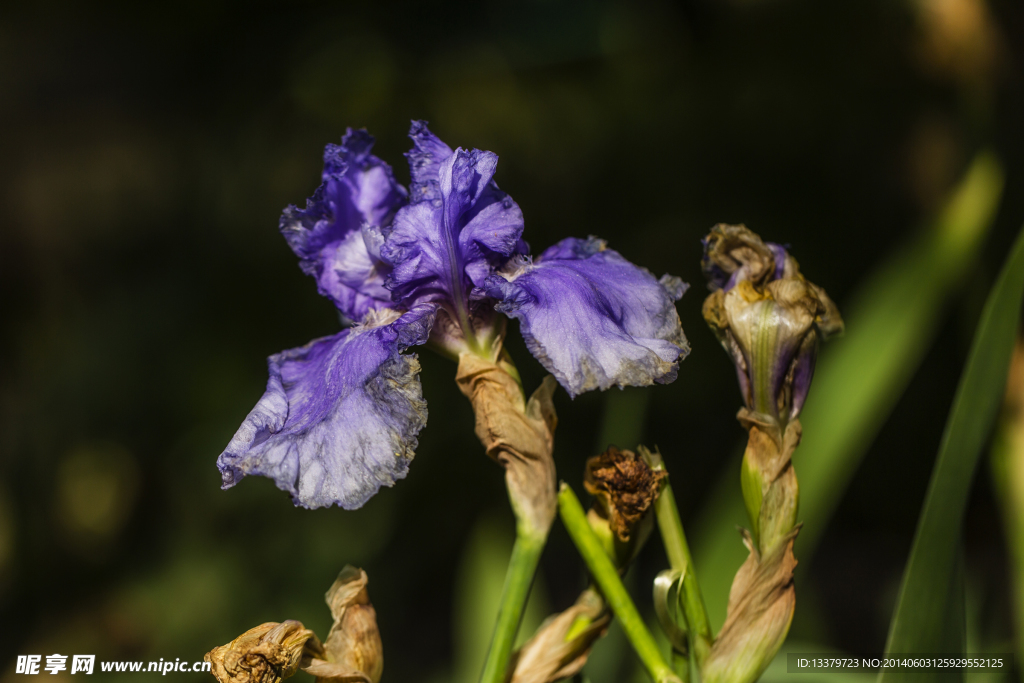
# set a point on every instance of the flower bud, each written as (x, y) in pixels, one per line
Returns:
(624, 489)
(268, 653)
(560, 647)
(768, 317)
(516, 433)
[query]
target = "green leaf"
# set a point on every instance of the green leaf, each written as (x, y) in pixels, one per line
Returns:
(890, 325)
(930, 596)
(1008, 480)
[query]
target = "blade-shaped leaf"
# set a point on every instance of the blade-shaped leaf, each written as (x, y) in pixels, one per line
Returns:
(1008, 478)
(890, 324)
(923, 611)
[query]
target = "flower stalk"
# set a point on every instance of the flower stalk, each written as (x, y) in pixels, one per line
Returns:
(519, 435)
(607, 578)
(521, 569)
(624, 488)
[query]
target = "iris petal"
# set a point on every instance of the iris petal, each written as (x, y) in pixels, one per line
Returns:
(425, 158)
(592, 318)
(338, 235)
(340, 415)
(457, 228)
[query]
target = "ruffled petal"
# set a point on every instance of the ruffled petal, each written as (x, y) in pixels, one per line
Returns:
(592, 318)
(425, 159)
(340, 415)
(439, 249)
(338, 235)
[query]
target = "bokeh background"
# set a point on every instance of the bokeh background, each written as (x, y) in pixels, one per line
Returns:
(147, 149)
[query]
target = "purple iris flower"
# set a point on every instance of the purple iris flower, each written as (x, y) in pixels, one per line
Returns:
(340, 416)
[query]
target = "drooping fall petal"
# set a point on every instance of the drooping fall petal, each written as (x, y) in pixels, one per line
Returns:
(592, 318)
(340, 415)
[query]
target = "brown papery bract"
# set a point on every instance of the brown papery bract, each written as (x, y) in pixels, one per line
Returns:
(353, 645)
(761, 605)
(517, 434)
(550, 655)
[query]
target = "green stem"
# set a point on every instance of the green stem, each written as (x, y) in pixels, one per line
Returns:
(521, 567)
(678, 551)
(607, 578)
(674, 538)
(681, 665)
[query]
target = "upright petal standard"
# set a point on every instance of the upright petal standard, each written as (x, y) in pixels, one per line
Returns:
(338, 236)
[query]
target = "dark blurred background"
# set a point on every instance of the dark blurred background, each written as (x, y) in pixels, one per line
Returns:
(146, 151)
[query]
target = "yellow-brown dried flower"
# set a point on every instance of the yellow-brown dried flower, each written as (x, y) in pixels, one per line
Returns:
(268, 653)
(352, 653)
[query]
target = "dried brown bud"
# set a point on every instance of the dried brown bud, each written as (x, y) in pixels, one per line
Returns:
(268, 653)
(761, 604)
(625, 488)
(517, 434)
(561, 645)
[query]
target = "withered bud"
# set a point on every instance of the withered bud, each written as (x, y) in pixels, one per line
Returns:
(268, 653)
(516, 433)
(354, 651)
(561, 646)
(624, 488)
(767, 316)
(761, 604)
